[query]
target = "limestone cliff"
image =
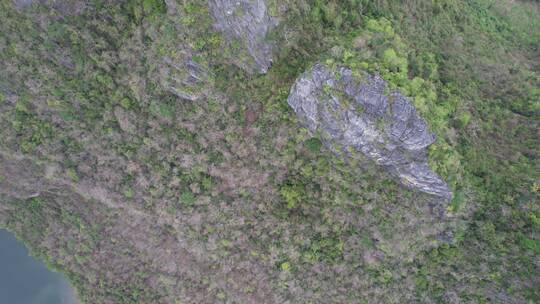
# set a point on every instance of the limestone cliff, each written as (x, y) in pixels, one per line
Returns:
(357, 113)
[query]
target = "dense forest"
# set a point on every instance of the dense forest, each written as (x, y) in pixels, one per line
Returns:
(149, 155)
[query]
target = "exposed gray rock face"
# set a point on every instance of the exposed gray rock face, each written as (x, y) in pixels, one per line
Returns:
(248, 22)
(358, 114)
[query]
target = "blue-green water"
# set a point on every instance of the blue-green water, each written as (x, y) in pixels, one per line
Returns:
(24, 280)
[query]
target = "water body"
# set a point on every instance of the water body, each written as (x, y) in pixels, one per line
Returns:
(24, 280)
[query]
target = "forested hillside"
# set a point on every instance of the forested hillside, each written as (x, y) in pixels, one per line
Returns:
(154, 150)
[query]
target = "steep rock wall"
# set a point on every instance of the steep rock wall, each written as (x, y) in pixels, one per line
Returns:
(248, 22)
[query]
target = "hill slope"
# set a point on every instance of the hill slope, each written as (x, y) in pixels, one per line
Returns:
(147, 150)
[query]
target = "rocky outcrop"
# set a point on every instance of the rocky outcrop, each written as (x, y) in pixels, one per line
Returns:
(183, 78)
(358, 114)
(248, 22)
